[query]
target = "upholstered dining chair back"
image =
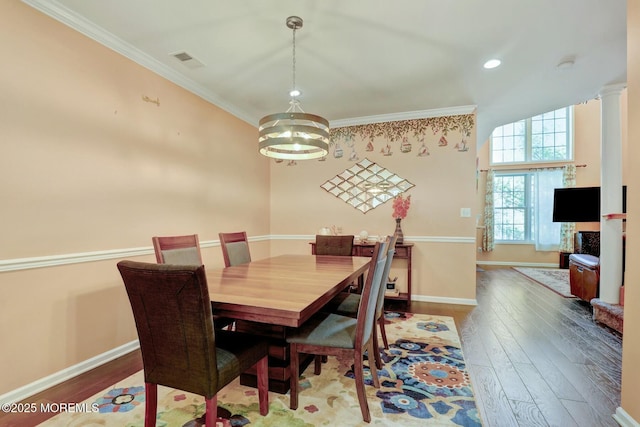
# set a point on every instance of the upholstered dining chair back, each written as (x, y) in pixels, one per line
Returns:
(369, 299)
(172, 311)
(334, 245)
(180, 347)
(385, 276)
(180, 250)
(235, 248)
(348, 304)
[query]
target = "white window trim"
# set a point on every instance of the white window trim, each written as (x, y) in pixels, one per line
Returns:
(550, 163)
(530, 240)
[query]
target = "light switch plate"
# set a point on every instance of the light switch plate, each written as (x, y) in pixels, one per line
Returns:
(465, 212)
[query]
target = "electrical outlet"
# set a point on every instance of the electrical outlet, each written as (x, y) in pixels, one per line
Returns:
(465, 212)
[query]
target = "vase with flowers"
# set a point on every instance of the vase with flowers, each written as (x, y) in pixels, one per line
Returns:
(400, 208)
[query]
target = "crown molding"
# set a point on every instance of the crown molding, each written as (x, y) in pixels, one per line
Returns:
(67, 17)
(408, 115)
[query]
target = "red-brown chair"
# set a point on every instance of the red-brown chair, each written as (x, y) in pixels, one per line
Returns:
(334, 335)
(334, 245)
(235, 248)
(183, 250)
(180, 347)
(347, 304)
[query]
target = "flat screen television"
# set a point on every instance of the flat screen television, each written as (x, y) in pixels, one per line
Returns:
(580, 204)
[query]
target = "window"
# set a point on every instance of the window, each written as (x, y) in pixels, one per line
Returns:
(523, 199)
(513, 207)
(543, 138)
(523, 207)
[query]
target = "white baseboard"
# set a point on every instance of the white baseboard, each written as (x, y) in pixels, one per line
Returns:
(518, 264)
(624, 419)
(49, 381)
(444, 300)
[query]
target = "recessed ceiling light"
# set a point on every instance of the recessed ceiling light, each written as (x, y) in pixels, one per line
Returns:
(492, 63)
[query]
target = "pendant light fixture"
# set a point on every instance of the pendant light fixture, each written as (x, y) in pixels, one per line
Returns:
(294, 134)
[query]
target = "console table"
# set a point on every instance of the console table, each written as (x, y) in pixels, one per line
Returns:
(403, 251)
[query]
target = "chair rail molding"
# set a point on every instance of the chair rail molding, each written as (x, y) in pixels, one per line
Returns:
(16, 264)
(77, 258)
(411, 239)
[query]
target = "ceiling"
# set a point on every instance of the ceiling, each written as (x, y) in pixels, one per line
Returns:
(386, 61)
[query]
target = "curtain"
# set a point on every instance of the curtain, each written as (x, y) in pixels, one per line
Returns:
(547, 232)
(568, 229)
(487, 234)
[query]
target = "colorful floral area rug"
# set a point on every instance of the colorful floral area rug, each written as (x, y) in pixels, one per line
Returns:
(424, 382)
(555, 279)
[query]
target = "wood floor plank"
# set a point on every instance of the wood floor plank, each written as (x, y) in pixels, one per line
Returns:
(496, 408)
(550, 407)
(510, 343)
(528, 414)
(586, 416)
(472, 345)
(512, 385)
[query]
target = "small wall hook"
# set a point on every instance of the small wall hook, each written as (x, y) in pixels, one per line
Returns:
(156, 101)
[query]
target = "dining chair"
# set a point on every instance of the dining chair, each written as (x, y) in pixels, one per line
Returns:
(346, 304)
(180, 347)
(183, 250)
(235, 248)
(330, 334)
(334, 245)
(338, 246)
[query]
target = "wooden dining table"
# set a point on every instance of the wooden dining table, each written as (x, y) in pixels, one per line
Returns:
(270, 295)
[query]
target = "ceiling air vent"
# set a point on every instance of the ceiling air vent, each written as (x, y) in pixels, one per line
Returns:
(187, 60)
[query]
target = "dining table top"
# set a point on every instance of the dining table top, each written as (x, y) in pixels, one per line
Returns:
(283, 290)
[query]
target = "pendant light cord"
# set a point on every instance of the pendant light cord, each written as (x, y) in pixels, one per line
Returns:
(295, 27)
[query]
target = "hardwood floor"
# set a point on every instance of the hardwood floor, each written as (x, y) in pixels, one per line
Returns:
(535, 358)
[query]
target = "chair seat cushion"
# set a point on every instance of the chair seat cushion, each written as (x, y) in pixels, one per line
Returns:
(344, 303)
(585, 260)
(236, 352)
(326, 329)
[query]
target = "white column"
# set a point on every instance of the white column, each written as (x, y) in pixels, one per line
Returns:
(611, 194)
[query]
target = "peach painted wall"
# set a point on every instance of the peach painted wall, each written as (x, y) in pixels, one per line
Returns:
(587, 133)
(444, 252)
(631, 344)
(88, 166)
